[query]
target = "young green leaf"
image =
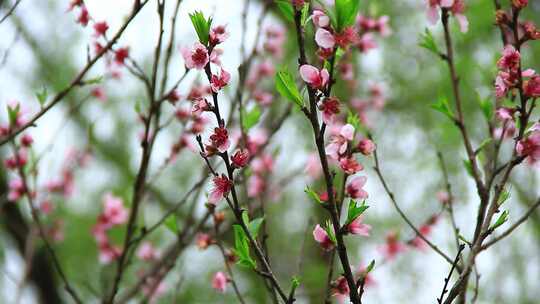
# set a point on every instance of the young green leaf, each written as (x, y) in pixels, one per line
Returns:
(468, 167)
(354, 120)
(95, 80)
(295, 282)
(305, 14)
(487, 107)
(13, 112)
(201, 25)
(483, 144)
(330, 231)
(370, 267)
(428, 42)
(501, 220)
(346, 11)
(355, 210)
(241, 247)
(251, 118)
(254, 226)
(442, 106)
(171, 223)
(313, 195)
(42, 96)
(286, 9)
(505, 195)
(286, 86)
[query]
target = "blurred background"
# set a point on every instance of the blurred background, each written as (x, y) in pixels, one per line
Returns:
(42, 46)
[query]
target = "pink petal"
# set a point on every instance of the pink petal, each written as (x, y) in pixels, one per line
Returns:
(319, 234)
(347, 131)
(433, 15)
(463, 23)
(447, 3)
(324, 39)
(309, 73)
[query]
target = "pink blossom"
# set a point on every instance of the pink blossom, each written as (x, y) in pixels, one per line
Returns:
(219, 82)
(120, 55)
(315, 78)
(338, 143)
(443, 196)
(256, 186)
(392, 247)
(203, 240)
(366, 146)
(147, 252)
(199, 105)
(357, 227)
(240, 158)
(114, 210)
(366, 43)
(340, 288)
(324, 39)
(215, 56)
(84, 16)
(313, 166)
(382, 26)
(154, 289)
(26, 140)
(354, 188)
(531, 87)
(320, 235)
(46, 207)
(458, 10)
(108, 253)
(350, 165)
(101, 28)
(329, 108)
(263, 98)
(418, 242)
(197, 57)
(510, 58)
(222, 186)
(433, 9)
(220, 139)
(505, 114)
(530, 146)
(263, 164)
(218, 34)
(501, 87)
(319, 18)
(256, 138)
(99, 93)
(346, 37)
(16, 189)
(219, 281)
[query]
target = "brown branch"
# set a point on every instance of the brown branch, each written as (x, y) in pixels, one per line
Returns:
(447, 279)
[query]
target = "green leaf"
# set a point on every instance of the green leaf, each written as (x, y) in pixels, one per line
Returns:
(428, 42)
(254, 226)
(468, 167)
(501, 220)
(286, 86)
(442, 106)
(201, 25)
(13, 112)
(354, 120)
(295, 282)
(313, 195)
(171, 223)
(42, 96)
(330, 231)
(286, 9)
(487, 107)
(370, 267)
(95, 80)
(483, 144)
(346, 11)
(251, 118)
(505, 195)
(245, 217)
(305, 14)
(241, 247)
(355, 210)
